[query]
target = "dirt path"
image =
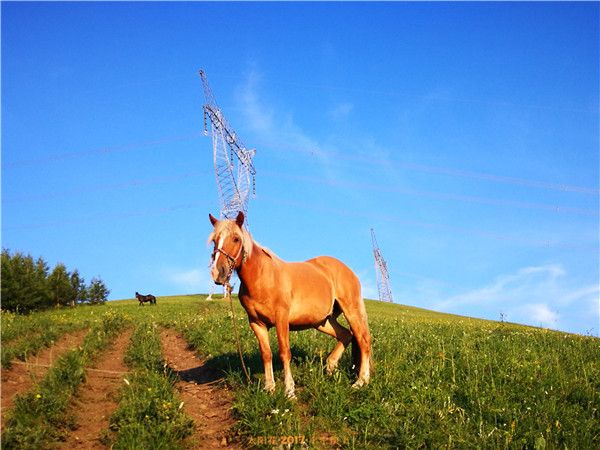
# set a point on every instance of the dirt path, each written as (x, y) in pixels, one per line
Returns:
(22, 375)
(206, 398)
(97, 398)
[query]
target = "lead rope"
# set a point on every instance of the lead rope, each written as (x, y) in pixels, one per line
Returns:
(236, 331)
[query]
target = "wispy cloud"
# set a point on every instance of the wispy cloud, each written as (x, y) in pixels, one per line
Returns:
(538, 313)
(537, 295)
(341, 110)
(278, 128)
(368, 285)
(188, 280)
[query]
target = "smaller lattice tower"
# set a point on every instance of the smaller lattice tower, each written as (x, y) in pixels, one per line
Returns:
(381, 273)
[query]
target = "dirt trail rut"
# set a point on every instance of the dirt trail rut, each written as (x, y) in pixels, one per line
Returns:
(206, 398)
(21, 376)
(97, 398)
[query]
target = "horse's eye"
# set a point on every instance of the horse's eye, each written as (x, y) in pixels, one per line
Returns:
(236, 239)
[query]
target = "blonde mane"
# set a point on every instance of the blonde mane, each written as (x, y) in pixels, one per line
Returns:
(225, 227)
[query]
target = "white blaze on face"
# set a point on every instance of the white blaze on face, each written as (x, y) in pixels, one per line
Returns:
(214, 270)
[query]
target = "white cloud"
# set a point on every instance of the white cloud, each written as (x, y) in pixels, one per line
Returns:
(537, 295)
(188, 280)
(369, 287)
(260, 118)
(278, 128)
(539, 314)
(341, 110)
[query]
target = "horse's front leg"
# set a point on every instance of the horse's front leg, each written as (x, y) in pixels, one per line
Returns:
(262, 335)
(283, 339)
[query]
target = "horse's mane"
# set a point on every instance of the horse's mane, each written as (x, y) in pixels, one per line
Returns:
(247, 239)
(249, 244)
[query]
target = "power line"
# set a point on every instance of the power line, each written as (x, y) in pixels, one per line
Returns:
(105, 187)
(428, 97)
(101, 150)
(364, 159)
(440, 195)
(442, 227)
(565, 210)
(106, 216)
(469, 231)
(450, 171)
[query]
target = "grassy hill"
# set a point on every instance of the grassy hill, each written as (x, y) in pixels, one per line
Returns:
(440, 380)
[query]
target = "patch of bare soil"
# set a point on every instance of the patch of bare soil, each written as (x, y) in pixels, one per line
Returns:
(22, 375)
(206, 398)
(97, 397)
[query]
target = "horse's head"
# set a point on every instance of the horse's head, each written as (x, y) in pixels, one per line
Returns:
(228, 254)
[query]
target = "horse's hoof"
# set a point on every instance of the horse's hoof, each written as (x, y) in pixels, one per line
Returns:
(291, 395)
(358, 384)
(270, 388)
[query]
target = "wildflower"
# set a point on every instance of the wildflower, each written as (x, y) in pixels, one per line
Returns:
(38, 396)
(126, 381)
(274, 411)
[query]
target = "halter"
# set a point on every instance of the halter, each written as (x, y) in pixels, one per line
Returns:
(231, 259)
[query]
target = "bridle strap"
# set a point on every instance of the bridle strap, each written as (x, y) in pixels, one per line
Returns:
(232, 260)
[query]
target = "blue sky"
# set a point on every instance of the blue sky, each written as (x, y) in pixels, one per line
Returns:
(466, 134)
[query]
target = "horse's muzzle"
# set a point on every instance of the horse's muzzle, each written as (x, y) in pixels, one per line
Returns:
(221, 275)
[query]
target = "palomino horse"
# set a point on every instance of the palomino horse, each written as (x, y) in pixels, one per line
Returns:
(291, 296)
(145, 298)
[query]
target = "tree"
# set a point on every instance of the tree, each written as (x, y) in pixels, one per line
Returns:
(97, 292)
(78, 289)
(61, 290)
(28, 285)
(24, 283)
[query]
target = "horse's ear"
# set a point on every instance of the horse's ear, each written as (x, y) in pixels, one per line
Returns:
(212, 219)
(240, 219)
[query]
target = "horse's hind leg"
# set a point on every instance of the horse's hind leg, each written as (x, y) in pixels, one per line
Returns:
(343, 336)
(356, 315)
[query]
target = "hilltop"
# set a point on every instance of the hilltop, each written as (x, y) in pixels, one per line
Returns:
(441, 380)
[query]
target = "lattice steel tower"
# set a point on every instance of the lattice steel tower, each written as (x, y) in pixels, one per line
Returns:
(381, 273)
(235, 173)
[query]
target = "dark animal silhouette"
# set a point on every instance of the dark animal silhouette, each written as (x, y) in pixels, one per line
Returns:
(145, 298)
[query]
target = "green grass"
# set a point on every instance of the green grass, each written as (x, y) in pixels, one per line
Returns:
(440, 381)
(39, 417)
(149, 415)
(25, 336)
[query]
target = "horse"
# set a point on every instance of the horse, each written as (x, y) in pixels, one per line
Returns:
(145, 298)
(292, 296)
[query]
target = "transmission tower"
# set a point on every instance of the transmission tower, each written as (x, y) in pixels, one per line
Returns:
(235, 173)
(381, 273)
(234, 170)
